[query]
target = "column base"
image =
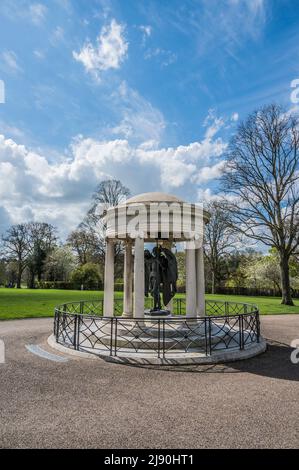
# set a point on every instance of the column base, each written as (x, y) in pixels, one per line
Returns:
(200, 313)
(127, 315)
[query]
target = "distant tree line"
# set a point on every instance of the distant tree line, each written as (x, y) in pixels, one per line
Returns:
(32, 254)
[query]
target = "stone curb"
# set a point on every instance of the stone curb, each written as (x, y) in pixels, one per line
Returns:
(220, 357)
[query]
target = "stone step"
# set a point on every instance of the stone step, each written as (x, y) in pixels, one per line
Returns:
(171, 329)
(147, 342)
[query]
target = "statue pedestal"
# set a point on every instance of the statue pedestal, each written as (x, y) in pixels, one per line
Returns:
(157, 313)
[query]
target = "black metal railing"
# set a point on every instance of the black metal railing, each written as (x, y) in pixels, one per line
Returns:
(226, 325)
(212, 307)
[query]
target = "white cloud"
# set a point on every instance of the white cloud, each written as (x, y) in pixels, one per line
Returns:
(39, 54)
(206, 195)
(32, 186)
(57, 36)
(146, 31)
(4, 219)
(179, 164)
(140, 120)
(108, 53)
(165, 57)
(208, 173)
(66, 5)
(213, 124)
(37, 13)
(12, 131)
(2, 92)
(220, 29)
(234, 117)
(255, 6)
(10, 62)
(17, 10)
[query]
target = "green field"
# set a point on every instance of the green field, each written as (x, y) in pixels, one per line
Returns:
(26, 303)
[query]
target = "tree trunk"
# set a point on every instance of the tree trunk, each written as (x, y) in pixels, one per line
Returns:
(31, 281)
(213, 281)
(19, 276)
(285, 280)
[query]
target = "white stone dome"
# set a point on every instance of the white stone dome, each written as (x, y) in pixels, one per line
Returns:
(157, 216)
(153, 197)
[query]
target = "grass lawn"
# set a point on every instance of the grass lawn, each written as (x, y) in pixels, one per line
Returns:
(26, 303)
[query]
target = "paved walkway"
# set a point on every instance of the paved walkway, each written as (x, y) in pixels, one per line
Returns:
(91, 403)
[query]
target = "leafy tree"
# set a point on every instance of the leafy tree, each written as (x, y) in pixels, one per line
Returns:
(237, 264)
(2, 272)
(11, 273)
(42, 240)
(265, 271)
(87, 276)
(59, 264)
(16, 247)
(181, 262)
(294, 272)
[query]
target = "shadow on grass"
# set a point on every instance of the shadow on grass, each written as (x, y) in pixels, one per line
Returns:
(275, 363)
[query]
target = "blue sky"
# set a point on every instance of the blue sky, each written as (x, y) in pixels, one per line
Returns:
(149, 92)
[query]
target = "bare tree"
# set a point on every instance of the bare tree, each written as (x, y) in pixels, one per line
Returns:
(262, 178)
(85, 245)
(219, 238)
(16, 247)
(109, 193)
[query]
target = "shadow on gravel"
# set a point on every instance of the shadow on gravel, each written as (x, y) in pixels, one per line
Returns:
(275, 363)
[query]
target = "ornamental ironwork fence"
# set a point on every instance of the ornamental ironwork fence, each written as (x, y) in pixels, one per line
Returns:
(212, 307)
(226, 325)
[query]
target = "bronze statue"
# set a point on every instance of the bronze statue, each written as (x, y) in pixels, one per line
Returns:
(160, 271)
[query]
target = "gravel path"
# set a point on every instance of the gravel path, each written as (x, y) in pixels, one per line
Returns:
(91, 403)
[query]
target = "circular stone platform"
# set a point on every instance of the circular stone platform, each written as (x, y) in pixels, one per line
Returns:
(179, 358)
(167, 340)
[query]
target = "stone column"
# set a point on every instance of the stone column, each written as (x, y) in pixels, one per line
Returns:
(138, 306)
(190, 282)
(168, 244)
(200, 282)
(128, 281)
(109, 279)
